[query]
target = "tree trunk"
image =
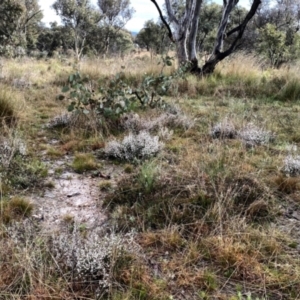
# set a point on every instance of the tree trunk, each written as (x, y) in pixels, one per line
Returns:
(185, 31)
(181, 50)
(192, 42)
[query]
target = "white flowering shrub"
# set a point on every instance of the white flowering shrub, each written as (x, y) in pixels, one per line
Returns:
(165, 133)
(76, 119)
(178, 118)
(21, 83)
(62, 120)
(131, 122)
(94, 257)
(292, 165)
(134, 146)
(224, 129)
(134, 123)
(253, 135)
(9, 147)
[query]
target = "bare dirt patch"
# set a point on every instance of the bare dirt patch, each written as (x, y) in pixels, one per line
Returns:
(71, 197)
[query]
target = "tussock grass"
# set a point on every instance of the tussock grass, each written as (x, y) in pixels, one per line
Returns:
(43, 72)
(84, 162)
(14, 209)
(133, 67)
(8, 107)
(243, 76)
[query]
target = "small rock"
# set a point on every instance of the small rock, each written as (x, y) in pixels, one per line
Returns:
(296, 215)
(38, 217)
(73, 194)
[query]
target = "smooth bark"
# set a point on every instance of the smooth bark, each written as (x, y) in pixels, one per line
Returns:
(185, 30)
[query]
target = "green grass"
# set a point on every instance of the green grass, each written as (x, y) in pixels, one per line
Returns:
(84, 162)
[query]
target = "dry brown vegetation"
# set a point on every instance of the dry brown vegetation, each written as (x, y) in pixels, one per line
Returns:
(213, 215)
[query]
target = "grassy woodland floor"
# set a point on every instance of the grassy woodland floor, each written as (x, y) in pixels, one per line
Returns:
(212, 212)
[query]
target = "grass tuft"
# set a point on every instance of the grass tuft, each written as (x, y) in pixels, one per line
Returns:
(84, 162)
(15, 209)
(8, 113)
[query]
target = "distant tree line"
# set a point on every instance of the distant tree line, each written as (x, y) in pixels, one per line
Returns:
(84, 29)
(273, 31)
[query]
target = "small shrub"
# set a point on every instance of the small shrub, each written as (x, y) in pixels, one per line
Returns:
(9, 148)
(88, 123)
(147, 177)
(119, 96)
(224, 129)
(94, 258)
(62, 120)
(177, 118)
(140, 146)
(251, 135)
(292, 165)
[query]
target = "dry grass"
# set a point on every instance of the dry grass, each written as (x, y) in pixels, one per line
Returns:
(134, 67)
(14, 209)
(209, 212)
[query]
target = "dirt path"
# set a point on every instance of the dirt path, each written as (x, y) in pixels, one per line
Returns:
(73, 197)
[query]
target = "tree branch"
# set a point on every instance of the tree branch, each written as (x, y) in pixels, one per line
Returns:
(32, 16)
(241, 28)
(170, 34)
(219, 56)
(170, 12)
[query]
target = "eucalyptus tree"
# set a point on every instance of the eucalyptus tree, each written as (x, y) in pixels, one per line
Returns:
(114, 16)
(184, 26)
(80, 17)
(19, 23)
(153, 37)
(54, 38)
(10, 12)
(277, 31)
(30, 22)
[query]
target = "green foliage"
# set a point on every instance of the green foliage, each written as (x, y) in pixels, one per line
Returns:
(18, 25)
(10, 12)
(278, 46)
(117, 97)
(115, 12)
(147, 177)
(210, 19)
(122, 42)
(78, 16)
(54, 38)
(272, 44)
(25, 173)
(153, 37)
(107, 102)
(29, 23)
